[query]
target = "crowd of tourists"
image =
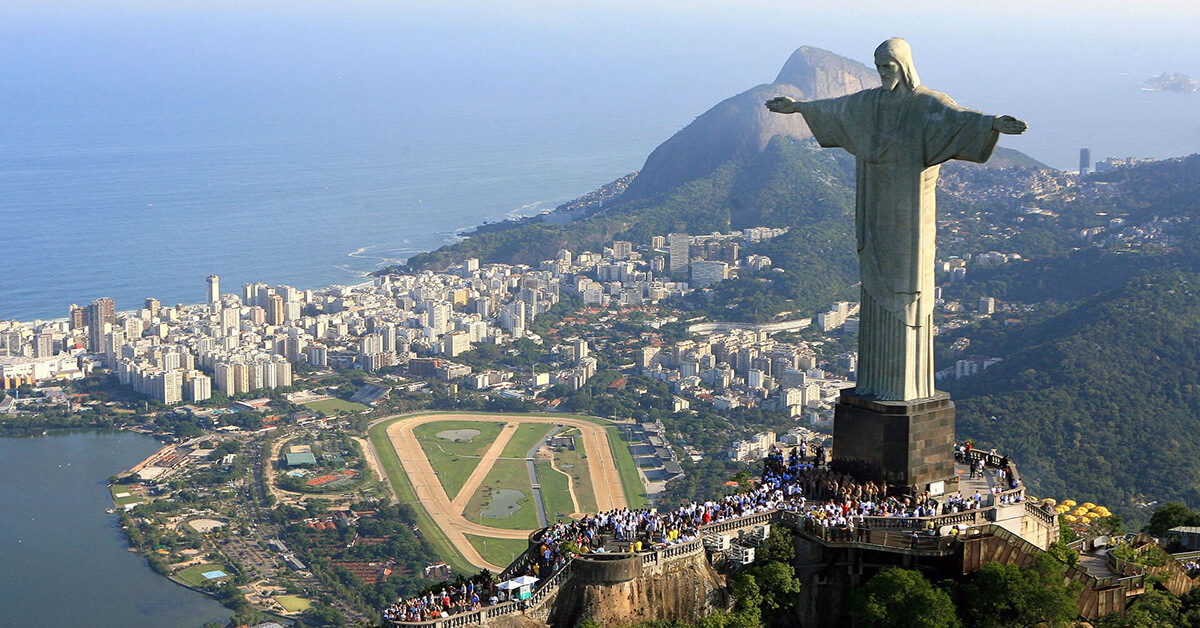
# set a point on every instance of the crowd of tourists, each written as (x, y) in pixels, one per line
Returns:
(792, 481)
(467, 596)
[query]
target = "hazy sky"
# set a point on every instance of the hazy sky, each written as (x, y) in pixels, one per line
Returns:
(1038, 60)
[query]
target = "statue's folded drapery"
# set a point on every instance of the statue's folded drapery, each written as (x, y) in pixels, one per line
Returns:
(898, 138)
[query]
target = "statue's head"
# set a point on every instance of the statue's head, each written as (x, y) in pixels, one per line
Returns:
(893, 59)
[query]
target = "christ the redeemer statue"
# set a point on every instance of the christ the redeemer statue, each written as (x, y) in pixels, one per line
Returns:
(899, 134)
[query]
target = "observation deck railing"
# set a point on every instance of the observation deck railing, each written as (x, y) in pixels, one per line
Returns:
(911, 534)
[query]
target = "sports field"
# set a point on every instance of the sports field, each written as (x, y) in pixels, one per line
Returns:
(123, 496)
(468, 475)
(202, 574)
(293, 603)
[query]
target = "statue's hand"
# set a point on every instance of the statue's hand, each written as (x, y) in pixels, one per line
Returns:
(1009, 125)
(782, 104)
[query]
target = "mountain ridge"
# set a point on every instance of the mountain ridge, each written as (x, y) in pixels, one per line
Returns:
(740, 127)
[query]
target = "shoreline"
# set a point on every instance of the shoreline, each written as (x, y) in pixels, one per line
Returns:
(458, 234)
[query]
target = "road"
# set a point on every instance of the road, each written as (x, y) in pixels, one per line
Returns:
(531, 463)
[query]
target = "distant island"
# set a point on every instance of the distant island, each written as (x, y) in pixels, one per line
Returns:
(1171, 82)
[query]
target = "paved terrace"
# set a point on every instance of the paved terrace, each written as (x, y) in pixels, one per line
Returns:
(925, 536)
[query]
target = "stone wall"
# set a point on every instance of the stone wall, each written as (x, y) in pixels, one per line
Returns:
(685, 589)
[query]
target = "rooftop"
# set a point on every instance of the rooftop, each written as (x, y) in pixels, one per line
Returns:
(295, 460)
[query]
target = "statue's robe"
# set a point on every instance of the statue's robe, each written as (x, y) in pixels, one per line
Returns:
(898, 139)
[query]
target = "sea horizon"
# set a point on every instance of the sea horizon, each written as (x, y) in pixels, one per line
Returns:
(148, 150)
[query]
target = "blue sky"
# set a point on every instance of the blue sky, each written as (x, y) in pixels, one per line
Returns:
(1034, 59)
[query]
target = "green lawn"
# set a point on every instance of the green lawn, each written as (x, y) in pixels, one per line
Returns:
(578, 467)
(499, 552)
(122, 501)
(293, 603)
(631, 482)
(455, 460)
(524, 439)
(505, 474)
(334, 405)
(406, 495)
(191, 575)
(404, 492)
(555, 491)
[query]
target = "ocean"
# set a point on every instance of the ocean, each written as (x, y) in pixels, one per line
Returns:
(143, 149)
(304, 204)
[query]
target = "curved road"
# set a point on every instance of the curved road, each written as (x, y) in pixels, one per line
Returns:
(447, 514)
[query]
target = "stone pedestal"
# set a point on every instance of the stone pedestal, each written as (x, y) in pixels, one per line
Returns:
(902, 442)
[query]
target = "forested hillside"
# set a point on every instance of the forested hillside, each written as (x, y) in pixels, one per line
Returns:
(1098, 393)
(1102, 401)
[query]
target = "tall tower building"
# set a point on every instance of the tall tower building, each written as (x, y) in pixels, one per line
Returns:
(1085, 160)
(275, 310)
(214, 290)
(101, 313)
(153, 306)
(229, 321)
(43, 345)
(77, 319)
(678, 244)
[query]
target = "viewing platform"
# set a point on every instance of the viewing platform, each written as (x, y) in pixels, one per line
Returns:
(1001, 513)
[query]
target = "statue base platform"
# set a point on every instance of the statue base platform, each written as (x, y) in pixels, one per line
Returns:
(904, 443)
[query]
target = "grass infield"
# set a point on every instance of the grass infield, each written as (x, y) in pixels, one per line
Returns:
(527, 435)
(455, 460)
(193, 575)
(635, 493)
(505, 474)
(498, 551)
(293, 603)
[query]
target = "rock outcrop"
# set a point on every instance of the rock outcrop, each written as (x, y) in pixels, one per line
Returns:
(685, 589)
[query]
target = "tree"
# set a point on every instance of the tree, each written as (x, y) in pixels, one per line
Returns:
(1006, 595)
(1170, 516)
(323, 615)
(901, 598)
(1152, 609)
(778, 585)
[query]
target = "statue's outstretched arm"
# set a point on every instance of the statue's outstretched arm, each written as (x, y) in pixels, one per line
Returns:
(1009, 125)
(784, 104)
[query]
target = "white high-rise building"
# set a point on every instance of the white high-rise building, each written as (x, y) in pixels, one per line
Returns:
(169, 386)
(198, 387)
(317, 355)
(455, 343)
(225, 376)
(214, 290)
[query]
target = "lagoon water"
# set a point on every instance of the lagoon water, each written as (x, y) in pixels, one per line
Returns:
(65, 560)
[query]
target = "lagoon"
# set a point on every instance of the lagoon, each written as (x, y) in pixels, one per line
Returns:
(66, 560)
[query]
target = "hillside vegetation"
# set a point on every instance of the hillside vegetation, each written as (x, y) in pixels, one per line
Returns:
(1100, 402)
